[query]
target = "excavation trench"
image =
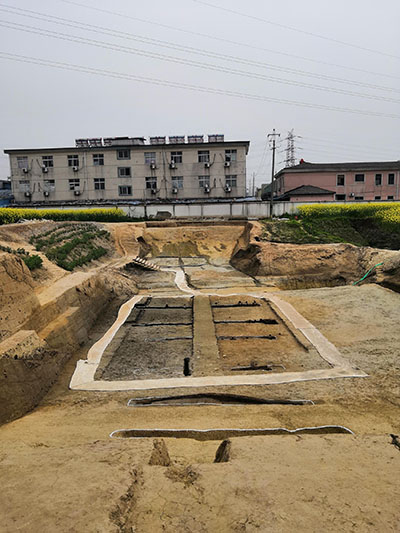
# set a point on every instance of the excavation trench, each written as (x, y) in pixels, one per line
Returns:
(220, 434)
(212, 399)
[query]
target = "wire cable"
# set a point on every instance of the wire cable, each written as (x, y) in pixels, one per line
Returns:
(126, 16)
(175, 46)
(195, 88)
(197, 64)
(298, 30)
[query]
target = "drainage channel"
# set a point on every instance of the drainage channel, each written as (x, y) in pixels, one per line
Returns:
(225, 433)
(212, 399)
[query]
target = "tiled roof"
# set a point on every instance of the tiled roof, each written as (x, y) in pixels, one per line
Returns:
(306, 166)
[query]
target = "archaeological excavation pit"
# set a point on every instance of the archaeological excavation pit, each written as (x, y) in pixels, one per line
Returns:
(201, 340)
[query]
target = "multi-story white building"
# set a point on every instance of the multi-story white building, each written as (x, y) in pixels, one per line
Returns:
(130, 168)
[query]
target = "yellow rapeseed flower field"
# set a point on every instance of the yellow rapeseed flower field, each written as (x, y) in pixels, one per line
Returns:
(9, 215)
(388, 214)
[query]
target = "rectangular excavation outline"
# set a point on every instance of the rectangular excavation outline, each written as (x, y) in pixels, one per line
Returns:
(83, 377)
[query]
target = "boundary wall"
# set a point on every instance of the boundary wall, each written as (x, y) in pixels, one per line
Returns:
(241, 209)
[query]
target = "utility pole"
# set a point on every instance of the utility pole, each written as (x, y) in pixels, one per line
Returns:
(272, 140)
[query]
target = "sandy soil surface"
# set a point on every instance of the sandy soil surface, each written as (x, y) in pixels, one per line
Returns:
(61, 471)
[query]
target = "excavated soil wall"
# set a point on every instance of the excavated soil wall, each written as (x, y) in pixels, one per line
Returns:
(41, 331)
(17, 297)
(300, 266)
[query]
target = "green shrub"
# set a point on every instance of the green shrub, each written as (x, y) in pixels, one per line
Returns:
(33, 261)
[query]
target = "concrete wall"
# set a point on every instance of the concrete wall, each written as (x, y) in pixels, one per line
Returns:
(57, 186)
(352, 189)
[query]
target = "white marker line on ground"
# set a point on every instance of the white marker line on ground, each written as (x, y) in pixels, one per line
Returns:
(83, 377)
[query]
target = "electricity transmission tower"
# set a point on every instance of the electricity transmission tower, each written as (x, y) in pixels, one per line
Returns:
(290, 159)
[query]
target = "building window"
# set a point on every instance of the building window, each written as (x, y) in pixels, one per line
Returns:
(204, 181)
(359, 198)
(377, 198)
(125, 190)
(123, 154)
(340, 197)
(149, 158)
(176, 157)
(390, 179)
(74, 184)
(378, 179)
(340, 180)
(73, 160)
(22, 162)
(47, 161)
(203, 156)
(177, 182)
(231, 155)
(124, 172)
(98, 160)
(49, 185)
(99, 184)
(231, 181)
(359, 177)
(151, 183)
(24, 185)
(390, 197)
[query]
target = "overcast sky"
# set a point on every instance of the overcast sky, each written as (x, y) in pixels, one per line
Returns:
(342, 47)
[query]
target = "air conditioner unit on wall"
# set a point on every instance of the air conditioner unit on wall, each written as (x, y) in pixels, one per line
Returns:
(28, 194)
(207, 165)
(75, 168)
(46, 193)
(25, 170)
(172, 164)
(153, 191)
(153, 166)
(227, 164)
(207, 189)
(77, 192)
(174, 190)
(227, 188)
(45, 169)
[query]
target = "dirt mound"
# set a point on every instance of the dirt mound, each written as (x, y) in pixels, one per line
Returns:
(298, 266)
(310, 265)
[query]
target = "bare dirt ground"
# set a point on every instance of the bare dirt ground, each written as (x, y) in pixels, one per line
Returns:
(61, 471)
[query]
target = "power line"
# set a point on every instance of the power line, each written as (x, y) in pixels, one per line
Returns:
(345, 145)
(196, 88)
(298, 30)
(349, 150)
(335, 152)
(229, 41)
(175, 46)
(197, 64)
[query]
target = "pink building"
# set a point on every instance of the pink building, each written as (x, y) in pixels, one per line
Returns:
(324, 182)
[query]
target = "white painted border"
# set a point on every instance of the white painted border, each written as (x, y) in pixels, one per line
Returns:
(83, 376)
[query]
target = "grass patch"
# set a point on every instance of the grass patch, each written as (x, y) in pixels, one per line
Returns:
(32, 261)
(373, 224)
(72, 245)
(312, 232)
